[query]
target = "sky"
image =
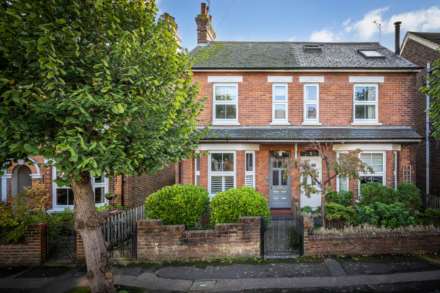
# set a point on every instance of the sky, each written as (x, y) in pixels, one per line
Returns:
(311, 20)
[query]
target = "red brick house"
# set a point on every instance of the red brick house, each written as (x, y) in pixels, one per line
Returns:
(129, 190)
(422, 49)
(269, 102)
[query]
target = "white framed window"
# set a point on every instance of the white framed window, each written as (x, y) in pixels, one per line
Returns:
(377, 162)
(225, 103)
(365, 103)
(197, 171)
(311, 103)
(342, 182)
(221, 171)
(250, 169)
(62, 196)
(280, 103)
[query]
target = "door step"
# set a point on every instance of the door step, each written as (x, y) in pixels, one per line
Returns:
(290, 255)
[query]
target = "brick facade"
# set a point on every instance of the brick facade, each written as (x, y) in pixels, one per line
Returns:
(129, 190)
(397, 98)
(31, 252)
(372, 243)
(157, 242)
(421, 55)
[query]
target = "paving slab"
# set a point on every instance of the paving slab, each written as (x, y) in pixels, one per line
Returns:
(334, 267)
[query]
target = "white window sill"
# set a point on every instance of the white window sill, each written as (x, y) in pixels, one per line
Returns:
(366, 123)
(311, 123)
(225, 123)
(280, 123)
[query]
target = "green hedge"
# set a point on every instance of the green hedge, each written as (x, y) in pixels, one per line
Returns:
(230, 205)
(178, 204)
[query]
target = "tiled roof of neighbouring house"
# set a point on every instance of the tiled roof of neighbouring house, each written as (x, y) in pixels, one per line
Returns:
(294, 55)
(433, 37)
(292, 134)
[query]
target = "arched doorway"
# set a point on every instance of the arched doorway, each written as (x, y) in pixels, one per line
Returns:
(21, 179)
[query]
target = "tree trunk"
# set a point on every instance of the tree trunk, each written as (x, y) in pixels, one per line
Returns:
(87, 223)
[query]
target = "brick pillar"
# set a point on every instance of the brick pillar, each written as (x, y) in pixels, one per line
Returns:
(262, 170)
(240, 166)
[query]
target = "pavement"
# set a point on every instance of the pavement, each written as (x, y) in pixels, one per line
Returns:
(404, 274)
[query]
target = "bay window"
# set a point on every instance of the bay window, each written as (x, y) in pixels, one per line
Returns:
(63, 196)
(197, 171)
(221, 171)
(342, 182)
(279, 103)
(225, 104)
(365, 103)
(376, 161)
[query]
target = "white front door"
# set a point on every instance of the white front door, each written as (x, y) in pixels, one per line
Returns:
(314, 199)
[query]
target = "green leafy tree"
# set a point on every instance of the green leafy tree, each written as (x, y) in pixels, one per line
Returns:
(99, 87)
(348, 165)
(433, 90)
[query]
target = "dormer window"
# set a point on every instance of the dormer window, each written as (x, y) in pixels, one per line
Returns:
(371, 54)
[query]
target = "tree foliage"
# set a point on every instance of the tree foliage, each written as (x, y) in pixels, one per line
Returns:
(433, 90)
(97, 86)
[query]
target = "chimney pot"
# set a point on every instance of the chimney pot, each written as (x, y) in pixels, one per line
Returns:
(397, 37)
(205, 32)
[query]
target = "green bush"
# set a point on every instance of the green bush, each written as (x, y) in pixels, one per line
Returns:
(409, 195)
(339, 213)
(387, 215)
(228, 206)
(429, 217)
(376, 192)
(343, 197)
(178, 204)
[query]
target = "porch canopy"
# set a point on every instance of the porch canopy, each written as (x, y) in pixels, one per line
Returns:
(315, 134)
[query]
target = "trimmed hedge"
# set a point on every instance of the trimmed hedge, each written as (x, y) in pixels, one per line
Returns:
(228, 206)
(178, 204)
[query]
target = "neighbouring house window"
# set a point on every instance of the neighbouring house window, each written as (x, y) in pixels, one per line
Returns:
(365, 102)
(279, 103)
(342, 182)
(197, 171)
(250, 169)
(376, 161)
(311, 103)
(221, 171)
(63, 195)
(225, 103)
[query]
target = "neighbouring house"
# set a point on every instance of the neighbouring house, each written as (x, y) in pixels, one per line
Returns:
(422, 49)
(128, 190)
(270, 102)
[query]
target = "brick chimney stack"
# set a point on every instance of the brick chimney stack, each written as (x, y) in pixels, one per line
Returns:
(205, 32)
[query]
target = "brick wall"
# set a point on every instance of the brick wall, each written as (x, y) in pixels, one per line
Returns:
(397, 98)
(32, 252)
(420, 55)
(372, 243)
(157, 242)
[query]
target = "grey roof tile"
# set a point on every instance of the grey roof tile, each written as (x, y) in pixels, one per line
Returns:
(291, 55)
(273, 134)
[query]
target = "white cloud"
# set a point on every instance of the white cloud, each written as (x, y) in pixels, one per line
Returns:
(417, 20)
(324, 36)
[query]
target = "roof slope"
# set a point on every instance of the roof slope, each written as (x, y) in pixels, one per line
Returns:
(291, 55)
(433, 37)
(273, 134)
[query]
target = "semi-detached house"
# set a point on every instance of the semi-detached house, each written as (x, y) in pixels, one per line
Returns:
(267, 103)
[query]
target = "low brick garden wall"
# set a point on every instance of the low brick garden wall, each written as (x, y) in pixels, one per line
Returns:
(31, 252)
(157, 242)
(372, 243)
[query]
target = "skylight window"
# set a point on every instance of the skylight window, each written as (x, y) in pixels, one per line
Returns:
(371, 53)
(312, 48)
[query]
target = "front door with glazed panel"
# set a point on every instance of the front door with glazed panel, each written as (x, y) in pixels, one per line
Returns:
(279, 180)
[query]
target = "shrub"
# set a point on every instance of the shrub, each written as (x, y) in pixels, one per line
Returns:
(343, 197)
(339, 213)
(387, 215)
(228, 206)
(376, 192)
(409, 195)
(178, 204)
(429, 217)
